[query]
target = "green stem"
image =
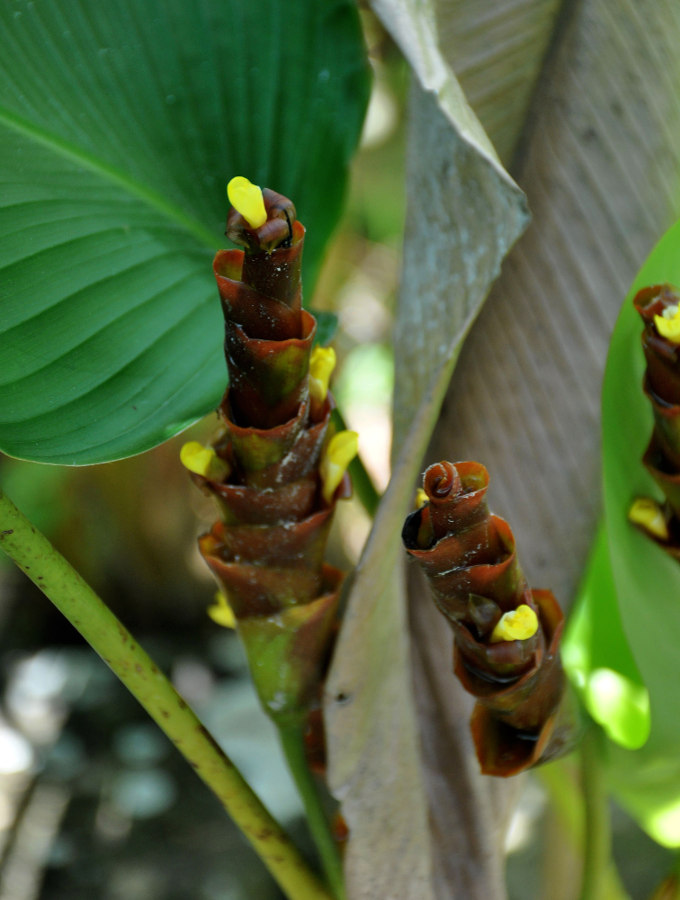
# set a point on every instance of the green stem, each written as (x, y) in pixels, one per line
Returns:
(292, 742)
(597, 831)
(361, 481)
(34, 554)
(561, 781)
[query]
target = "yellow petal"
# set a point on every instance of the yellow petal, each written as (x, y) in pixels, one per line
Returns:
(221, 612)
(246, 198)
(341, 450)
(203, 461)
(321, 365)
(516, 625)
(668, 324)
(646, 513)
(421, 498)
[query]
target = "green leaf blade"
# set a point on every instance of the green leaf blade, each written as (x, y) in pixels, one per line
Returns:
(120, 127)
(598, 659)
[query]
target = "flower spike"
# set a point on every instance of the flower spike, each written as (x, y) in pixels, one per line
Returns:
(506, 636)
(274, 469)
(659, 308)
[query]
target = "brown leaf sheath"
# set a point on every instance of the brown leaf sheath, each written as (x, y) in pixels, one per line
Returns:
(267, 549)
(468, 554)
(662, 387)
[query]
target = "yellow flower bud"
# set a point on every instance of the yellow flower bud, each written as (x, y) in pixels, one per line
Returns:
(421, 498)
(341, 450)
(321, 365)
(646, 513)
(203, 461)
(668, 324)
(516, 625)
(221, 612)
(246, 198)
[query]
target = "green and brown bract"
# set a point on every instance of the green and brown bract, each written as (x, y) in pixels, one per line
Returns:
(521, 716)
(267, 549)
(662, 388)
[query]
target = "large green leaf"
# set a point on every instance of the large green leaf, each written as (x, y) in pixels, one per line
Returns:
(120, 124)
(647, 580)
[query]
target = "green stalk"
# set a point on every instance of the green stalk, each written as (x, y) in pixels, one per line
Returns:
(567, 800)
(57, 579)
(292, 742)
(597, 832)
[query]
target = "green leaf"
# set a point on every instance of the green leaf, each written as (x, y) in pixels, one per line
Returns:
(326, 326)
(647, 580)
(120, 126)
(598, 659)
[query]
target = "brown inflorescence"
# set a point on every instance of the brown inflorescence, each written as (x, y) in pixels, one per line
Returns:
(267, 549)
(662, 388)
(468, 554)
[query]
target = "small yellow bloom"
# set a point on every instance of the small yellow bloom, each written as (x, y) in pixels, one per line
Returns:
(203, 461)
(421, 498)
(321, 365)
(246, 198)
(668, 324)
(516, 625)
(646, 513)
(221, 612)
(341, 450)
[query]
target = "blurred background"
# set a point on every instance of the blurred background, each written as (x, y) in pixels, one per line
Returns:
(94, 801)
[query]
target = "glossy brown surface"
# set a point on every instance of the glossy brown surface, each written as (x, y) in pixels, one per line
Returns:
(662, 389)
(469, 557)
(267, 548)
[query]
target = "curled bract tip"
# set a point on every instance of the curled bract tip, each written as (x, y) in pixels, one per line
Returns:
(341, 450)
(648, 515)
(517, 625)
(247, 200)
(441, 479)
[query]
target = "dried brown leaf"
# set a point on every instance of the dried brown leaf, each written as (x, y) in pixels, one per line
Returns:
(464, 212)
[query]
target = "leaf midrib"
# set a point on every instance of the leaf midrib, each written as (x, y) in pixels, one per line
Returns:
(106, 171)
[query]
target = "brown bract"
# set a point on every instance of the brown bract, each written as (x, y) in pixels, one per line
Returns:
(469, 556)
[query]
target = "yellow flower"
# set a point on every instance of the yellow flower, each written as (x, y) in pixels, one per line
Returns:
(221, 612)
(516, 625)
(203, 461)
(340, 451)
(646, 513)
(246, 198)
(668, 324)
(321, 365)
(421, 498)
